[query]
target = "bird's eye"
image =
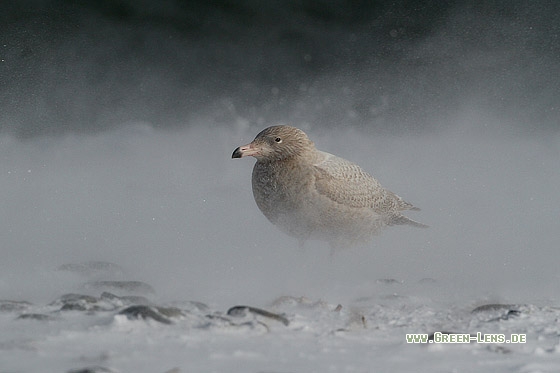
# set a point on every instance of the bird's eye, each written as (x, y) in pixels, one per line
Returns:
(278, 140)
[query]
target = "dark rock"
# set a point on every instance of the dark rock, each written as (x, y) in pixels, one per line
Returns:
(493, 307)
(75, 307)
(160, 314)
(497, 312)
(218, 320)
(36, 316)
(106, 302)
(80, 302)
(241, 311)
(172, 312)
(13, 305)
(71, 297)
(125, 300)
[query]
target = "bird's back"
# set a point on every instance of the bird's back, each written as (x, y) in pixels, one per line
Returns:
(347, 183)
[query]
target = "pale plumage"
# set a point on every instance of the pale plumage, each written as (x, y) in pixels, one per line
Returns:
(311, 194)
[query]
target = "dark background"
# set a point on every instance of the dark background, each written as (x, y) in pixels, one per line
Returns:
(386, 66)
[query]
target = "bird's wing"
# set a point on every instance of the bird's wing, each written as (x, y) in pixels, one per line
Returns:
(346, 183)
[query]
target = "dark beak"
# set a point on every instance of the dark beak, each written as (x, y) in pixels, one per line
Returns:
(237, 153)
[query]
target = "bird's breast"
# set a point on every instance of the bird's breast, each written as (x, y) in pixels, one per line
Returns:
(276, 188)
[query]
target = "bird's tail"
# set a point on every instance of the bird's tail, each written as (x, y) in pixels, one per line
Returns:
(403, 220)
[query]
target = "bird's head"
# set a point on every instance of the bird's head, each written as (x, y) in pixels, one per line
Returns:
(276, 143)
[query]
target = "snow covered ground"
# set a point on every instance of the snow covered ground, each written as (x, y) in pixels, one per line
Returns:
(364, 337)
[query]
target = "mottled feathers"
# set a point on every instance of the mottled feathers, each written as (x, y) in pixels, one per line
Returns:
(311, 194)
